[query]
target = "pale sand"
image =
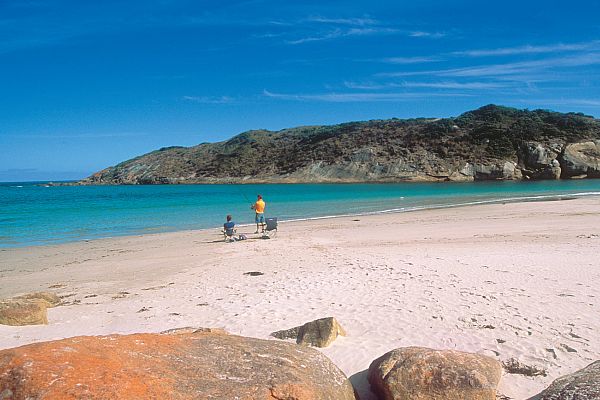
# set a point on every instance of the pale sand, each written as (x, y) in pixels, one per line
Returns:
(464, 278)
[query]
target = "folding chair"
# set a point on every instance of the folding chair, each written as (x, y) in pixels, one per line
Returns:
(271, 228)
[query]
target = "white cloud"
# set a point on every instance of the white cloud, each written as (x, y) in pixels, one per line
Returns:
(507, 69)
(528, 49)
(428, 85)
(343, 21)
(358, 97)
(423, 34)
(411, 60)
(339, 33)
(209, 99)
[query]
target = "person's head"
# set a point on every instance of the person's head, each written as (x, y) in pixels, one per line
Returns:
(228, 218)
(259, 197)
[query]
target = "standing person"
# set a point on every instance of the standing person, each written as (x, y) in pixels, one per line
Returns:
(259, 208)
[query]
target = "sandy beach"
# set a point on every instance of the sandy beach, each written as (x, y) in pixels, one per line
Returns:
(506, 280)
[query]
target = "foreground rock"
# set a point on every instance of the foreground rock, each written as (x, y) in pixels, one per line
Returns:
(419, 373)
(187, 364)
(581, 385)
(319, 333)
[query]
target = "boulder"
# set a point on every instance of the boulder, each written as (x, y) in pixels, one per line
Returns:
(504, 171)
(319, 333)
(51, 299)
(179, 365)
(537, 156)
(581, 159)
(539, 161)
(581, 385)
(19, 312)
(419, 373)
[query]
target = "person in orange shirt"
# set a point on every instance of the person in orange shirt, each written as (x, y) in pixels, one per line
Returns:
(259, 209)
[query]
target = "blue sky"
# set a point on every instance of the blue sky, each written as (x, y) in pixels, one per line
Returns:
(87, 84)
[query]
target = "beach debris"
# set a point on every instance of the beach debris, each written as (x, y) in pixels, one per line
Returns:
(422, 373)
(143, 309)
(27, 309)
(319, 333)
(253, 273)
(180, 364)
(568, 348)
(551, 351)
(57, 286)
(580, 385)
(514, 366)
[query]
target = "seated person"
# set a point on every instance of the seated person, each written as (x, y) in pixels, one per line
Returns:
(228, 228)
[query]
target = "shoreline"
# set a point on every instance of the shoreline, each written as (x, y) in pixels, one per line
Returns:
(496, 279)
(507, 200)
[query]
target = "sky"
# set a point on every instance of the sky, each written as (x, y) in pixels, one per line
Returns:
(88, 84)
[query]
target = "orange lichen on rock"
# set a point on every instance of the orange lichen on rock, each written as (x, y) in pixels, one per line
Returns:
(91, 367)
(197, 365)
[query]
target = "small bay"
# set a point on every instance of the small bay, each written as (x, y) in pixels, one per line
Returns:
(34, 214)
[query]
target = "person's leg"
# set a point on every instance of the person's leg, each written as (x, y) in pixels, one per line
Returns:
(257, 221)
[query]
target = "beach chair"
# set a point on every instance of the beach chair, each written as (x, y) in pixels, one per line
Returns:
(228, 234)
(271, 227)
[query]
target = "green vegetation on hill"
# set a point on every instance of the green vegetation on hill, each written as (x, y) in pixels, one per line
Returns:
(492, 142)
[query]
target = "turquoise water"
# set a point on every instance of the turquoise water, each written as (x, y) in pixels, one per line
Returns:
(37, 215)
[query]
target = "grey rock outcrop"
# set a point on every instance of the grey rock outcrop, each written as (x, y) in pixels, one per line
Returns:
(581, 160)
(540, 161)
(418, 373)
(580, 385)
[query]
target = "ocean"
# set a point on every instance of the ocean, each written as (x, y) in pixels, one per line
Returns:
(33, 214)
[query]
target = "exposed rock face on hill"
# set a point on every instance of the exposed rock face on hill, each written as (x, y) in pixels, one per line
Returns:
(489, 143)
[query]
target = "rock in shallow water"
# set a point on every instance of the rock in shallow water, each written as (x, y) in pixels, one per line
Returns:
(418, 373)
(198, 365)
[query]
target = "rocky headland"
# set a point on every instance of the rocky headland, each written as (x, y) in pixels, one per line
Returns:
(490, 143)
